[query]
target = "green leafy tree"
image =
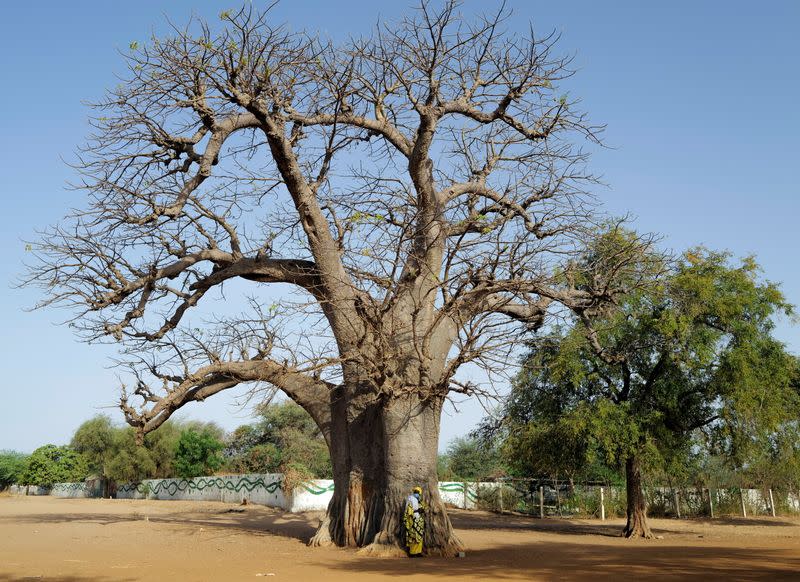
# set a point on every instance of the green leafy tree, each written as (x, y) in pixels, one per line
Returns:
(52, 464)
(113, 451)
(129, 461)
(197, 453)
(285, 437)
(470, 459)
(278, 418)
(545, 430)
(631, 386)
(302, 454)
(94, 439)
(292, 430)
(242, 440)
(443, 468)
(758, 437)
(12, 464)
(262, 458)
(161, 444)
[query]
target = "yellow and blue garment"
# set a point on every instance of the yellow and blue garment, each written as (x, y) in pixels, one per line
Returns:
(414, 525)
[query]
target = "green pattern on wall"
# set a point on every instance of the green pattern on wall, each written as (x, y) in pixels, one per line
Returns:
(234, 483)
(69, 487)
(173, 486)
(317, 490)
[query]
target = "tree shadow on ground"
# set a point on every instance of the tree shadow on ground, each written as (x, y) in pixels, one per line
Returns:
(575, 561)
(253, 520)
(481, 520)
(59, 578)
(732, 520)
(264, 520)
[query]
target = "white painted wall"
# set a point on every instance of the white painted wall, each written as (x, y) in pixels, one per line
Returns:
(28, 490)
(261, 489)
(266, 489)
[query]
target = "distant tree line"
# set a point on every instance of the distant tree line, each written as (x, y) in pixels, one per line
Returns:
(282, 439)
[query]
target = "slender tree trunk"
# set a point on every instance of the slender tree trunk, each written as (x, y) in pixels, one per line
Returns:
(637, 526)
(558, 496)
(392, 447)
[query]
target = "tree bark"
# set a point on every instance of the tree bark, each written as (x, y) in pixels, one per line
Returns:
(637, 526)
(355, 446)
(392, 446)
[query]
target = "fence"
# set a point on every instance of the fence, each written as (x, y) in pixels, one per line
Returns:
(554, 498)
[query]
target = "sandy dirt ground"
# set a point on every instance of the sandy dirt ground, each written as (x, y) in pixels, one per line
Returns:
(100, 539)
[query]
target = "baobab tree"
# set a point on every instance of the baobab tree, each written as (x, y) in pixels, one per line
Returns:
(419, 189)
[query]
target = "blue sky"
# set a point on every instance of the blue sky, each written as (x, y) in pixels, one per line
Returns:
(700, 100)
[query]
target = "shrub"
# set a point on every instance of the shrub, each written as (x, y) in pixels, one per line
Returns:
(12, 464)
(197, 453)
(51, 464)
(489, 498)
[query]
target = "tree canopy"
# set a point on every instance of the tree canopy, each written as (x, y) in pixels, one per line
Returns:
(419, 190)
(12, 465)
(633, 385)
(197, 453)
(51, 464)
(114, 452)
(470, 459)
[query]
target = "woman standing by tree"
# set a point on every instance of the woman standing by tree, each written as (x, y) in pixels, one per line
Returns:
(414, 523)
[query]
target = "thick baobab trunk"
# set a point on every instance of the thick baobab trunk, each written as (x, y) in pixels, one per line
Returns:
(411, 442)
(355, 446)
(637, 526)
(392, 448)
